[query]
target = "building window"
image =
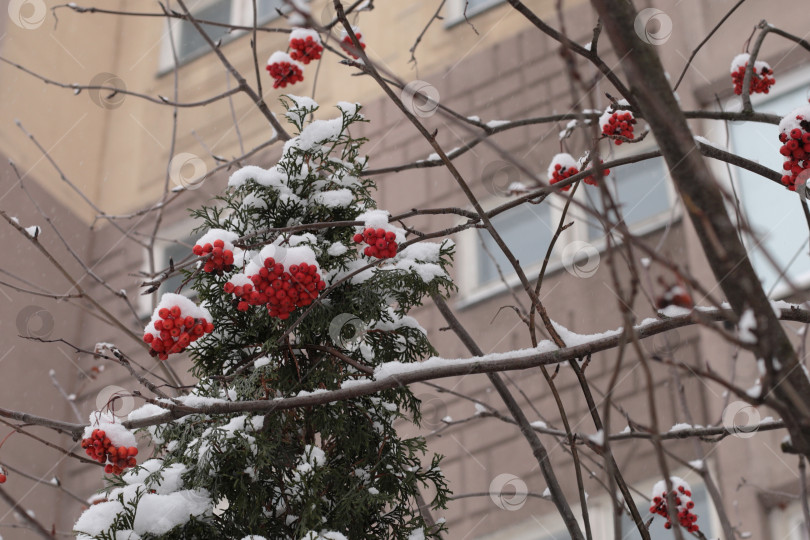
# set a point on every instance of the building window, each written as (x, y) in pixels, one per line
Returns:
(165, 251)
(778, 243)
(527, 231)
(641, 190)
(176, 252)
(188, 42)
(456, 9)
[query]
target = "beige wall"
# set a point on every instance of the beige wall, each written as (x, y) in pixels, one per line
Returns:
(118, 157)
(517, 78)
(29, 315)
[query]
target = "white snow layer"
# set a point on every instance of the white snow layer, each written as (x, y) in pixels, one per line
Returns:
(794, 118)
(157, 513)
(747, 326)
(742, 59)
(227, 237)
(280, 56)
(118, 434)
(303, 33)
(565, 160)
(187, 307)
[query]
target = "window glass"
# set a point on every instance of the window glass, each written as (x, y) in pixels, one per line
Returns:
(176, 252)
(527, 231)
(640, 191)
(772, 211)
(190, 41)
(266, 10)
(474, 6)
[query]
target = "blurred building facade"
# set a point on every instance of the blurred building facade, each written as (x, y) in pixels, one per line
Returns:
(113, 157)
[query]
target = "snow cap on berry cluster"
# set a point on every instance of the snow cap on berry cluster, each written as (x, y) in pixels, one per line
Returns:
(610, 111)
(605, 118)
(378, 219)
(304, 33)
(682, 495)
(661, 486)
(187, 307)
(355, 29)
(794, 119)
(227, 237)
(566, 161)
(240, 280)
(106, 421)
(287, 256)
(280, 56)
(741, 60)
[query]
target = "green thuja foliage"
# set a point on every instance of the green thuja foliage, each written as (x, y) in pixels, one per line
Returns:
(314, 472)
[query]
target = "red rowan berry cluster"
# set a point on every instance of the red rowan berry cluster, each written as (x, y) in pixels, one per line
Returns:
(281, 289)
(117, 458)
(618, 123)
(382, 244)
(795, 140)
(564, 166)
(348, 45)
(221, 259)
(284, 70)
(761, 75)
(674, 295)
(305, 45)
(173, 328)
(683, 500)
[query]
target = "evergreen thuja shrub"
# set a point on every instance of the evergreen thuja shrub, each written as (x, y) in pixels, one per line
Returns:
(333, 471)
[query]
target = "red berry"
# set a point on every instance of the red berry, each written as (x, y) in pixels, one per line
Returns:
(284, 73)
(348, 45)
(305, 50)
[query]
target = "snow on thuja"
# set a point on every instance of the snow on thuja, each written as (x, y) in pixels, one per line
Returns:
(338, 470)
